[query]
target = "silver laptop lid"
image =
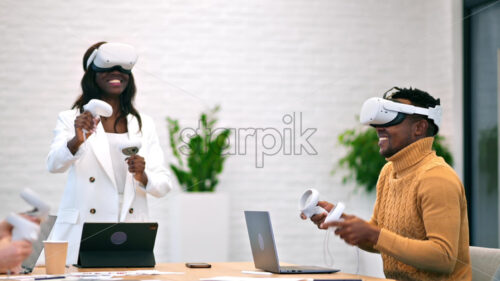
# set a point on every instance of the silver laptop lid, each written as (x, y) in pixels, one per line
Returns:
(45, 229)
(260, 232)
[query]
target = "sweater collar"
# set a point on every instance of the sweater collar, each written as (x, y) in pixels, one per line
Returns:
(411, 154)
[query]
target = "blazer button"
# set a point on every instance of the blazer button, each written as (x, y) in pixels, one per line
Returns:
(131, 210)
(91, 179)
(92, 211)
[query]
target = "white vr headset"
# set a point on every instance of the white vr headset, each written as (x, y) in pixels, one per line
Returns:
(111, 56)
(381, 112)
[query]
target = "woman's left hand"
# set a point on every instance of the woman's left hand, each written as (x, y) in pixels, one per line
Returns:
(136, 166)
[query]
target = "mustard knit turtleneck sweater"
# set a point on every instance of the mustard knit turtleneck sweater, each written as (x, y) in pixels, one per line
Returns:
(422, 212)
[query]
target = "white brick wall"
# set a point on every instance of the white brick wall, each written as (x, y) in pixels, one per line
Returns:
(259, 60)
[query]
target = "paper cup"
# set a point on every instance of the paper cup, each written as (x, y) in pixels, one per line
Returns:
(55, 256)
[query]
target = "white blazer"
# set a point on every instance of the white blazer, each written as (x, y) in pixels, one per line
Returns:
(91, 193)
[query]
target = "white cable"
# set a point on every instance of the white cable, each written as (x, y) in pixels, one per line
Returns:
(357, 260)
(308, 205)
(326, 250)
(327, 254)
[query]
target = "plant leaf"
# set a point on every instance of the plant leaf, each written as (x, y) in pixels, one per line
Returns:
(363, 161)
(205, 154)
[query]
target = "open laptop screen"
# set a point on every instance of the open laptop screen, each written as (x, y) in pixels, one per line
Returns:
(265, 254)
(45, 228)
(261, 236)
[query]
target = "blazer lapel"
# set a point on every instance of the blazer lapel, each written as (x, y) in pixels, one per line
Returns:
(100, 145)
(130, 182)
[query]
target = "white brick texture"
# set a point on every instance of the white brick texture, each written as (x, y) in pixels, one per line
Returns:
(259, 60)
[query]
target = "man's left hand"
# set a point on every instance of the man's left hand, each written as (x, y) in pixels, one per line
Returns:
(355, 231)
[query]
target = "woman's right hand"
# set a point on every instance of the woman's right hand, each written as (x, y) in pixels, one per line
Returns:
(87, 122)
(85, 125)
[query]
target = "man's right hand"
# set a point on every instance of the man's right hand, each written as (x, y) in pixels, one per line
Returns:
(13, 254)
(320, 218)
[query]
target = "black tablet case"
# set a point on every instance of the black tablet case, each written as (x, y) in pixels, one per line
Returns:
(117, 245)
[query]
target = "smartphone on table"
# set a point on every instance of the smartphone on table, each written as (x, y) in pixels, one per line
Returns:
(198, 265)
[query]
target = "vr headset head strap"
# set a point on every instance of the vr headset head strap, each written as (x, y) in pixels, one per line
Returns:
(433, 113)
(383, 112)
(91, 58)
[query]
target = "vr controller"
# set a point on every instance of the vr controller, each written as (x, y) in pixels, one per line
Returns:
(41, 209)
(308, 205)
(336, 213)
(130, 147)
(23, 228)
(98, 108)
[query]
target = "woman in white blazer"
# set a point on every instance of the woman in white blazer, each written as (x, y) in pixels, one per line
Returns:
(104, 185)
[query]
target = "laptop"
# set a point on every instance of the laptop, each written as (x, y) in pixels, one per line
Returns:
(265, 255)
(117, 245)
(45, 228)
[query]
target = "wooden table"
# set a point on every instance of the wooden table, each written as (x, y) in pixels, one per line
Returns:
(218, 269)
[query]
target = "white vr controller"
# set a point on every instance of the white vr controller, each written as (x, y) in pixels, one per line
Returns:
(24, 229)
(130, 147)
(336, 213)
(308, 205)
(41, 209)
(98, 108)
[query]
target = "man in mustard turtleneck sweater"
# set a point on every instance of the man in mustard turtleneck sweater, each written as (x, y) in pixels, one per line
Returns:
(419, 223)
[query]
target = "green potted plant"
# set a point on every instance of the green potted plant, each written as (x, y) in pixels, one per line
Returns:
(204, 154)
(199, 161)
(363, 161)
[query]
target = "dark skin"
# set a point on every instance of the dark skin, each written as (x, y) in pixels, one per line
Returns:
(353, 230)
(112, 83)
